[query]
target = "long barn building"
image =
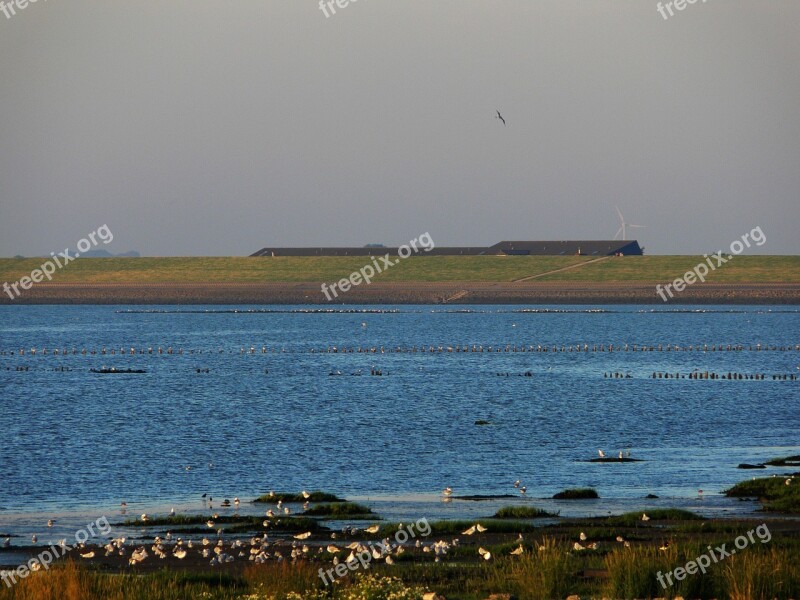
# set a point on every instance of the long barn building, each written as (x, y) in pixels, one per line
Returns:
(520, 248)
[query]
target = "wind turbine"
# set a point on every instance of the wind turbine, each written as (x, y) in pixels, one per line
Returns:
(623, 225)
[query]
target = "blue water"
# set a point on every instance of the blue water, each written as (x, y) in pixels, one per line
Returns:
(73, 440)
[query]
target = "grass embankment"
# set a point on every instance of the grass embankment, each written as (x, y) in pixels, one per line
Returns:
(742, 269)
(285, 269)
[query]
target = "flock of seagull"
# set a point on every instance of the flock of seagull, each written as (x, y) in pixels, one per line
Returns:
(442, 349)
(425, 348)
(621, 455)
(259, 549)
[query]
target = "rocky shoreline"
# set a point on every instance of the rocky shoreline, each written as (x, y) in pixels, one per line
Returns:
(405, 293)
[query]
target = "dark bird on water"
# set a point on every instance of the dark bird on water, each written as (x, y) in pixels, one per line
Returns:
(499, 116)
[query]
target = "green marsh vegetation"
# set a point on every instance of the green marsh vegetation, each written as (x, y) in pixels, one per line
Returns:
(774, 493)
(522, 512)
(340, 510)
(316, 496)
(577, 494)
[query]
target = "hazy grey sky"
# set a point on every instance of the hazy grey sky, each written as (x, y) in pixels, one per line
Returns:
(199, 127)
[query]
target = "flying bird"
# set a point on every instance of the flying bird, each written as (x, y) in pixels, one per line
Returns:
(499, 116)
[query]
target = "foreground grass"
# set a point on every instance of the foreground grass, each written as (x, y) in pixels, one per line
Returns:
(635, 519)
(522, 512)
(545, 570)
(456, 528)
(755, 269)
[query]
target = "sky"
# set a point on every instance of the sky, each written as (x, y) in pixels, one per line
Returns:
(197, 127)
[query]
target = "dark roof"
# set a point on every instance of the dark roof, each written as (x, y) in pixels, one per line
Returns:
(568, 247)
(366, 251)
(532, 248)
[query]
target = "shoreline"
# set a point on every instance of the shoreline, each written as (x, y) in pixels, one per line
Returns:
(593, 554)
(451, 293)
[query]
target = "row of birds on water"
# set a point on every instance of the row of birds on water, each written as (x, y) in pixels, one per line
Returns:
(447, 493)
(429, 349)
(621, 455)
(727, 376)
(377, 372)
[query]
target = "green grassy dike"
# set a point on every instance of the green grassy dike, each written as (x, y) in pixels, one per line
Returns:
(742, 269)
